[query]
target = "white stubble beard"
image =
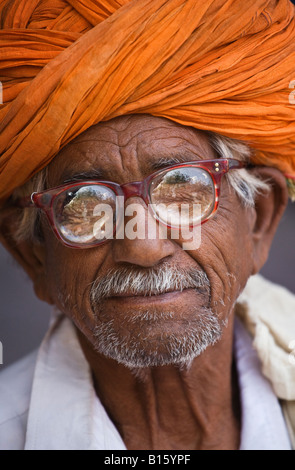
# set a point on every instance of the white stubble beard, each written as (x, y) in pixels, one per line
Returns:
(139, 350)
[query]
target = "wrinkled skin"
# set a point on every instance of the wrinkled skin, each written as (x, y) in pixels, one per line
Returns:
(159, 407)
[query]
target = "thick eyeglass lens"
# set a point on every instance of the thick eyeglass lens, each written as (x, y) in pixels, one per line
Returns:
(183, 196)
(86, 214)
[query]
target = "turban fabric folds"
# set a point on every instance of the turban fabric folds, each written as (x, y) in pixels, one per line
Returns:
(224, 66)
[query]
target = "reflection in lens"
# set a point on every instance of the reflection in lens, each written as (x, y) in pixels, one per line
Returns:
(178, 193)
(78, 214)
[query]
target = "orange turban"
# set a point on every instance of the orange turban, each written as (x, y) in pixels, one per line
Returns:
(226, 66)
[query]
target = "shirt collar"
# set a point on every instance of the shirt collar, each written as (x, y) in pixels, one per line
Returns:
(263, 425)
(65, 413)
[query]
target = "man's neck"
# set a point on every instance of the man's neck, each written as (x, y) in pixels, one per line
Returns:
(168, 408)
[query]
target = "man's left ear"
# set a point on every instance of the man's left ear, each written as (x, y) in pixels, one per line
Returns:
(30, 255)
(269, 209)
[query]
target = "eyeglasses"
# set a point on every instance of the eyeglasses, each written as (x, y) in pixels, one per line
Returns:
(74, 210)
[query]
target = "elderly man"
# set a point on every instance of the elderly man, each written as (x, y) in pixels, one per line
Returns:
(148, 107)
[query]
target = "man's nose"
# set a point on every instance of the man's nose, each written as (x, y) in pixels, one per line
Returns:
(142, 244)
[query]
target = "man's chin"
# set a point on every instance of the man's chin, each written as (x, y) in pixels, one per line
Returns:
(153, 339)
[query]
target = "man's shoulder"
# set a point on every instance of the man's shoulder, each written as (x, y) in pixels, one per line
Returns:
(15, 392)
(266, 303)
(262, 287)
(16, 385)
(265, 299)
(267, 311)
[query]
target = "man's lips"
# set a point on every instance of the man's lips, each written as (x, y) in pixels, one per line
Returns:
(132, 294)
(150, 298)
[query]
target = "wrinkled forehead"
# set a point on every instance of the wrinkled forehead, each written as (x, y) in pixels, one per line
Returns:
(128, 147)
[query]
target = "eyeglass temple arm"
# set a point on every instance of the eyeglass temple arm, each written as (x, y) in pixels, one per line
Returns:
(25, 202)
(236, 164)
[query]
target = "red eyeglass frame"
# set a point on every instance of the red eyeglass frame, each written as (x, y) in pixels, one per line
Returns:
(45, 199)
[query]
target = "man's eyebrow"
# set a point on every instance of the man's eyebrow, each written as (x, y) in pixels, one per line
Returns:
(158, 164)
(93, 174)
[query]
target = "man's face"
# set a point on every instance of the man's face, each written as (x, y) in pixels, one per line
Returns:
(147, 302)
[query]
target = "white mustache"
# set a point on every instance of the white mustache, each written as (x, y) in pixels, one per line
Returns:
(156, 281)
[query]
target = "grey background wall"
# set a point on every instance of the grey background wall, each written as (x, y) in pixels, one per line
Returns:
(24, 319)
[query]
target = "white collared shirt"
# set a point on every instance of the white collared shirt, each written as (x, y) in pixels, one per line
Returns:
(48, 401)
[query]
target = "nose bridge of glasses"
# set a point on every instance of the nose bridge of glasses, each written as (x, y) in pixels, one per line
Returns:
(136, 188)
